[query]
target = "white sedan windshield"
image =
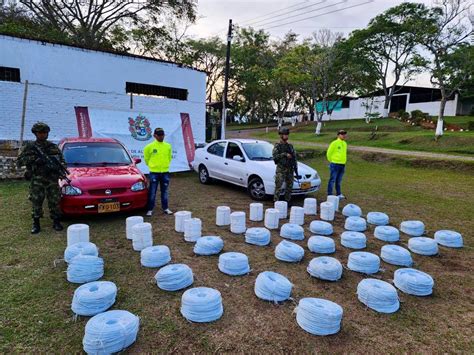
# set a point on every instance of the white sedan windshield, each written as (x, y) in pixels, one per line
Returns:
(258, 151)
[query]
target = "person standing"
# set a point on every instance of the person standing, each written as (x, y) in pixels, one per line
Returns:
(45, 165)
(284, 157)
(158, 159)
(337, 157)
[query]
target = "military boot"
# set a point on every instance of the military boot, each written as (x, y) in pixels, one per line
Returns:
(57, 226)
(36, 226)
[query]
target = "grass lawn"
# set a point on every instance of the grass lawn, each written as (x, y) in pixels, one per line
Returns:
(35, 315)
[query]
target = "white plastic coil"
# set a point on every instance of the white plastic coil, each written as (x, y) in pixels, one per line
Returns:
(202, 305)
(192, 229)
(448, 238)
(326, 211)
(318, 316)
(84, 248)
(423, 246)
(377, 218)
(257, 236)
(413, 282)
(93, 298)
(396, 255)
(310, 206)
(378, 295)
(237, 222)
(222, 216)
(321, 245)
(387, 233)
(292, 231)
(142, 236)
(364, 262)
(174, 277)
(179, 218)
(325, 268)
(335, 201)
(256, 212)
(272, 218)
(85, 268)
(289, 252)
(234, 264)
(354, 240)
(355, 224)
(321, 228)
(413, 228)
(351, 210)
(271, 286)
(208, 245)
(282, 208)
(297, 215)
(77, 233)
(129, 223)
(155, 256)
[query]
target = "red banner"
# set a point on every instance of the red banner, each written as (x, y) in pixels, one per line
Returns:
(188, 137)
(83, 122)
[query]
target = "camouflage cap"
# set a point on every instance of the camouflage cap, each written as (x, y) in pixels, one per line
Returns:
(40, 127)
(284, 130)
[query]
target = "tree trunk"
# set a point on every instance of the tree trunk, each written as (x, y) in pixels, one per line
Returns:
(439, 124)
(318, 128)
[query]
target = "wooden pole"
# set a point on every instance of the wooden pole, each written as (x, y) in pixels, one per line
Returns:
(226, 81)
(23, 114)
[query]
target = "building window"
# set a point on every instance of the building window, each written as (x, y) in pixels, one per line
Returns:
(9, 74)
(156, 90)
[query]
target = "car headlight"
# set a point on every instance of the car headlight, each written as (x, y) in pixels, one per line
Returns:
(70, 190)
(138, 186)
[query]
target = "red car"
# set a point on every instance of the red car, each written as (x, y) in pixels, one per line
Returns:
(104, 177)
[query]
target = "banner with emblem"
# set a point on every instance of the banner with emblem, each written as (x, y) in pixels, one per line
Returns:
(135, 131)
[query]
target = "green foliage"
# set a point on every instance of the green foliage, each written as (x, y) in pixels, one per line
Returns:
(470, 125)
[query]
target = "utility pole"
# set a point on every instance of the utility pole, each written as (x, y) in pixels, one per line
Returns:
(226, 81)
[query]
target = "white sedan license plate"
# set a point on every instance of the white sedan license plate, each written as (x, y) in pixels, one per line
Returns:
(109, 207)
(305, 185)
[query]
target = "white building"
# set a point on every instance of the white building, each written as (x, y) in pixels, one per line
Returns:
(61, 77)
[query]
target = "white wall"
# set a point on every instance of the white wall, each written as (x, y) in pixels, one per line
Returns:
(432, 108)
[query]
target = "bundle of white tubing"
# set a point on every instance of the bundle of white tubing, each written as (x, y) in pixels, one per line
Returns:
(155, 256)
(292, 231)
(377, 218)
(354, 240)
(413, 228)
(378, 295)
(450, 239)
(325, 268)
(271, 286)
(234, 264)
(256, 212)
(423, 246)
(413, 282)
(202, 305)
(355, 224)
(326, 211)
(396, 255)
(192, 229)
(179, 218)
(271, 218)
(110, 332)
(257, 236)
(237, 222)
(310, 206)
(142, 236)
(129, 223)
(297, 215)
(321, 228)
(351, 210)
(364, 262)
(93, 298)
(84, 248)
(289, 252)
(174, 277)
(77, 233)
(335, 201)
(223, 216)
(208, 245)
(387, 233)
(85, 268)
(319, 316)
(321, 245)
(282, 208)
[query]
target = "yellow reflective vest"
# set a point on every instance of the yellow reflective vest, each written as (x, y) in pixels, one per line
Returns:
(158, 156)
(337, 152)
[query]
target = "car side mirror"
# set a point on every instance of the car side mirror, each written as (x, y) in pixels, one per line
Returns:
(137, 161)
(238, 158)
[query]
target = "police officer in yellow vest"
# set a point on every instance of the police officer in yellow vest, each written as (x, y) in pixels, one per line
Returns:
(158, 159)
(337, 157)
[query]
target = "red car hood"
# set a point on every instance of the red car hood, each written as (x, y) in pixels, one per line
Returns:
(101, 177)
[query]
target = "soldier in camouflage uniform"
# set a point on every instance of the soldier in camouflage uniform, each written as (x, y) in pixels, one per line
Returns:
(284, 158)
(44, 174)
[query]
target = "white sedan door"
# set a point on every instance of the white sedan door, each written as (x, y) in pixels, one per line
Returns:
(214, 159)
(234, 170)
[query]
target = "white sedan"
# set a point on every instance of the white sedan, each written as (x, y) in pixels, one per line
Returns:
(249, 163)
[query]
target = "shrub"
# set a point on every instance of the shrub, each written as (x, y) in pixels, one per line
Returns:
(470, 125)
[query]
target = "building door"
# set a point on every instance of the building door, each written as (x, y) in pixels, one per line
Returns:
(398, 102)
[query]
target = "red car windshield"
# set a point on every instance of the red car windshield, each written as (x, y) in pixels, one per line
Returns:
(95, 154)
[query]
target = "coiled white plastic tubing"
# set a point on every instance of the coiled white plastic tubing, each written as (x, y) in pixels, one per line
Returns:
(202, 305)
(297, 215)
(237, 222)
(319, 316)
(377, 218)
(174, 277)
(327, 211)
(289, 252)
(77, 233)
(84, 248)
(155, 256)
(110, 332)
(223, 216)
(413, 282)
(192, 229)
(292, 231)
(321, 228)
(257, 236)
(351, 210)
(423, 246)
(271, 286)
(396, 255)
(93, 298)
(234, 264)
(85, 268)
(387, 233)
(179, 218)
(282, 208)
(256, 212)
(129, 223)
(413, 228)
(354, 240)
(325, 268)
(355, 224)
(335, 201)
(450, 239)
(209, 245)
(364, 262)
(272, 218)
(142, 236)
(321, 245)
(310, 206)
(378, 295)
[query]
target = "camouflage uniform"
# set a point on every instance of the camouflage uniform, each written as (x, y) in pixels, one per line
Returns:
(284, 170)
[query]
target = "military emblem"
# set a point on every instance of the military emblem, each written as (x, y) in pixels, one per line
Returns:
(139, 128)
